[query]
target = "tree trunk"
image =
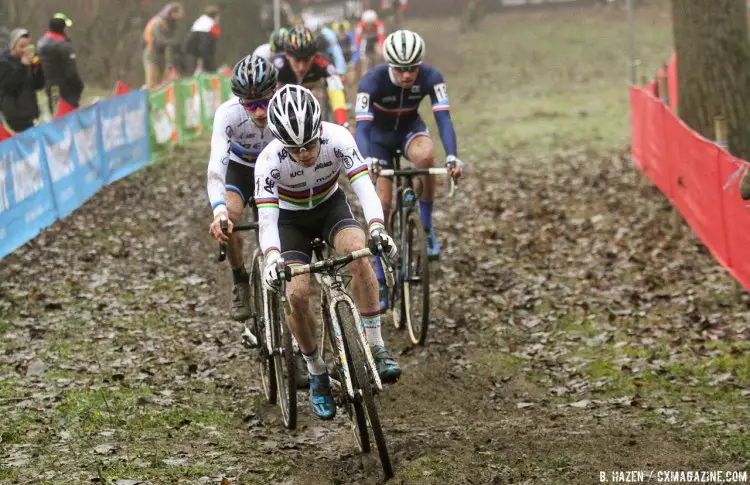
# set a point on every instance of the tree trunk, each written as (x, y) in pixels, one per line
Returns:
(713, 56)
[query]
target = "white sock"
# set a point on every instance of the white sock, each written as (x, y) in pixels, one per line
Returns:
(315, 364)
(372, 330)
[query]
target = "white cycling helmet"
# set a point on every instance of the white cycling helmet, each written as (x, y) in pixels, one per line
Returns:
(369, 16)
(404, 48)
(294, 116)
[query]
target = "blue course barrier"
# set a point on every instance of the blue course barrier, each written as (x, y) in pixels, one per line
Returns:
(26, 203)
(49, 171)
(125, 134)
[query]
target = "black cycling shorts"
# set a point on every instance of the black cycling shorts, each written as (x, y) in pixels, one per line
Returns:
(298, 228)
(241, 179)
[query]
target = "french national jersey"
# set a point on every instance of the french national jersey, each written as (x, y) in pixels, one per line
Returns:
(235, 138)
(282, 183)
(384, 105)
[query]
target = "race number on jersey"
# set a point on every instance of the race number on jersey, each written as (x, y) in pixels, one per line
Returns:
(441, 92)
(363, 103)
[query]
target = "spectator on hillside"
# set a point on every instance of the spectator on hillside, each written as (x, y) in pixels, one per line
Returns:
(21, 76)
(199, 46)
(162, 43)
(4, 36)
(59, 64)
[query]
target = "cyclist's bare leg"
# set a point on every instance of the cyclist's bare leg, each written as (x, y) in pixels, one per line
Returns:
(421, 152)
(301, 321)
(364, 284)
(235, 206)
(384, 189)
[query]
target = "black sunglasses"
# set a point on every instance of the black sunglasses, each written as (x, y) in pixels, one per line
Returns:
(308, 146)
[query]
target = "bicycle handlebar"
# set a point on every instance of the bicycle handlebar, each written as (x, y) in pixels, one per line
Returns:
(287, 272)
(415, 172)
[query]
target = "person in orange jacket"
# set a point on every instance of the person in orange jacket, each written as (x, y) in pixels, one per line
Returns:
(161, 43)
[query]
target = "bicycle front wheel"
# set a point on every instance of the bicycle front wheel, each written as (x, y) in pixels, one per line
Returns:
(415, 289)
(265, 360)
(356, 353)
(353, 409)
(284, 365)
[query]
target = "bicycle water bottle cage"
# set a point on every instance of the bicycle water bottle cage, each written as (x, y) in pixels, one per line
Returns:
(410, 198)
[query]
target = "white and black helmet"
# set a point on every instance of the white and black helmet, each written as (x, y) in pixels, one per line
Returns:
(404, 48)
(294, 116)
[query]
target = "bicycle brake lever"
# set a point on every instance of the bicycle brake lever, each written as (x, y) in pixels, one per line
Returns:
(224, 224)
(390, 279)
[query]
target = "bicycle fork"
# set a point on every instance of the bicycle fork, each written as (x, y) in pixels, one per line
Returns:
(340, 344)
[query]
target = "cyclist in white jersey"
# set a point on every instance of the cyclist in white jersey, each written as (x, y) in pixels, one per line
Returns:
(240, 133)
(298, 199)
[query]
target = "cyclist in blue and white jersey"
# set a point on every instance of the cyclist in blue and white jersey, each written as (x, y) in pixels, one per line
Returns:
(388, 120)
(328, 44)
(240, 133)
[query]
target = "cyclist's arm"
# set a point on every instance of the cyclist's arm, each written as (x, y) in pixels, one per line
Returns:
(358, 35)
(217, 165)
(441, 110)
(267, 202)
(358, 175)
(335, 89)
(381, 34)
(364, 115)
(337, 54)
(355, 48)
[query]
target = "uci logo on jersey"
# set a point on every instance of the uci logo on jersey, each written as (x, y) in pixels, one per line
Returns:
(297, 173)
(416, 88)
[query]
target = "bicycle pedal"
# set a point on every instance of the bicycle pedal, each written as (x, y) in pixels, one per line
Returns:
(248, 339)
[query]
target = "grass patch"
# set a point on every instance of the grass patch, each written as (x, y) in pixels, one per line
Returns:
(535, 83)
(159, 471)
(432, 468)
(134, 410)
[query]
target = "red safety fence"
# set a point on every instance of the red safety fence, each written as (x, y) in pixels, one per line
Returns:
(699, 178)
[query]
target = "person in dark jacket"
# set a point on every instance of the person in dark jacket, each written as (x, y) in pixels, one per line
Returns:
(59, 63)
(21, 76)
(199, 46)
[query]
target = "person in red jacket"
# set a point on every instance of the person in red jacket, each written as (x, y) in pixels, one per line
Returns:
(369, 36)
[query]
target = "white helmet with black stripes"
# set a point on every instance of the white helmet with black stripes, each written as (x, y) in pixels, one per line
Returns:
(404, 48)
(294, 116)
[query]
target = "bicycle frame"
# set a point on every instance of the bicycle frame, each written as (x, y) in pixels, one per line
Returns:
(333, 287)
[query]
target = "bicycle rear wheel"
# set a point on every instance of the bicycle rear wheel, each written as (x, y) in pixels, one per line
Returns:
(284, 365)
(415, 289)
(265, 361)
(362, 382)
(353, 409)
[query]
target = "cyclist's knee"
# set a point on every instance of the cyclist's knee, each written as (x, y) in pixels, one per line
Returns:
(421, 152)
(362, 269)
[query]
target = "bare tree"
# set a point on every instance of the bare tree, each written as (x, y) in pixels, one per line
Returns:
(713, 52)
